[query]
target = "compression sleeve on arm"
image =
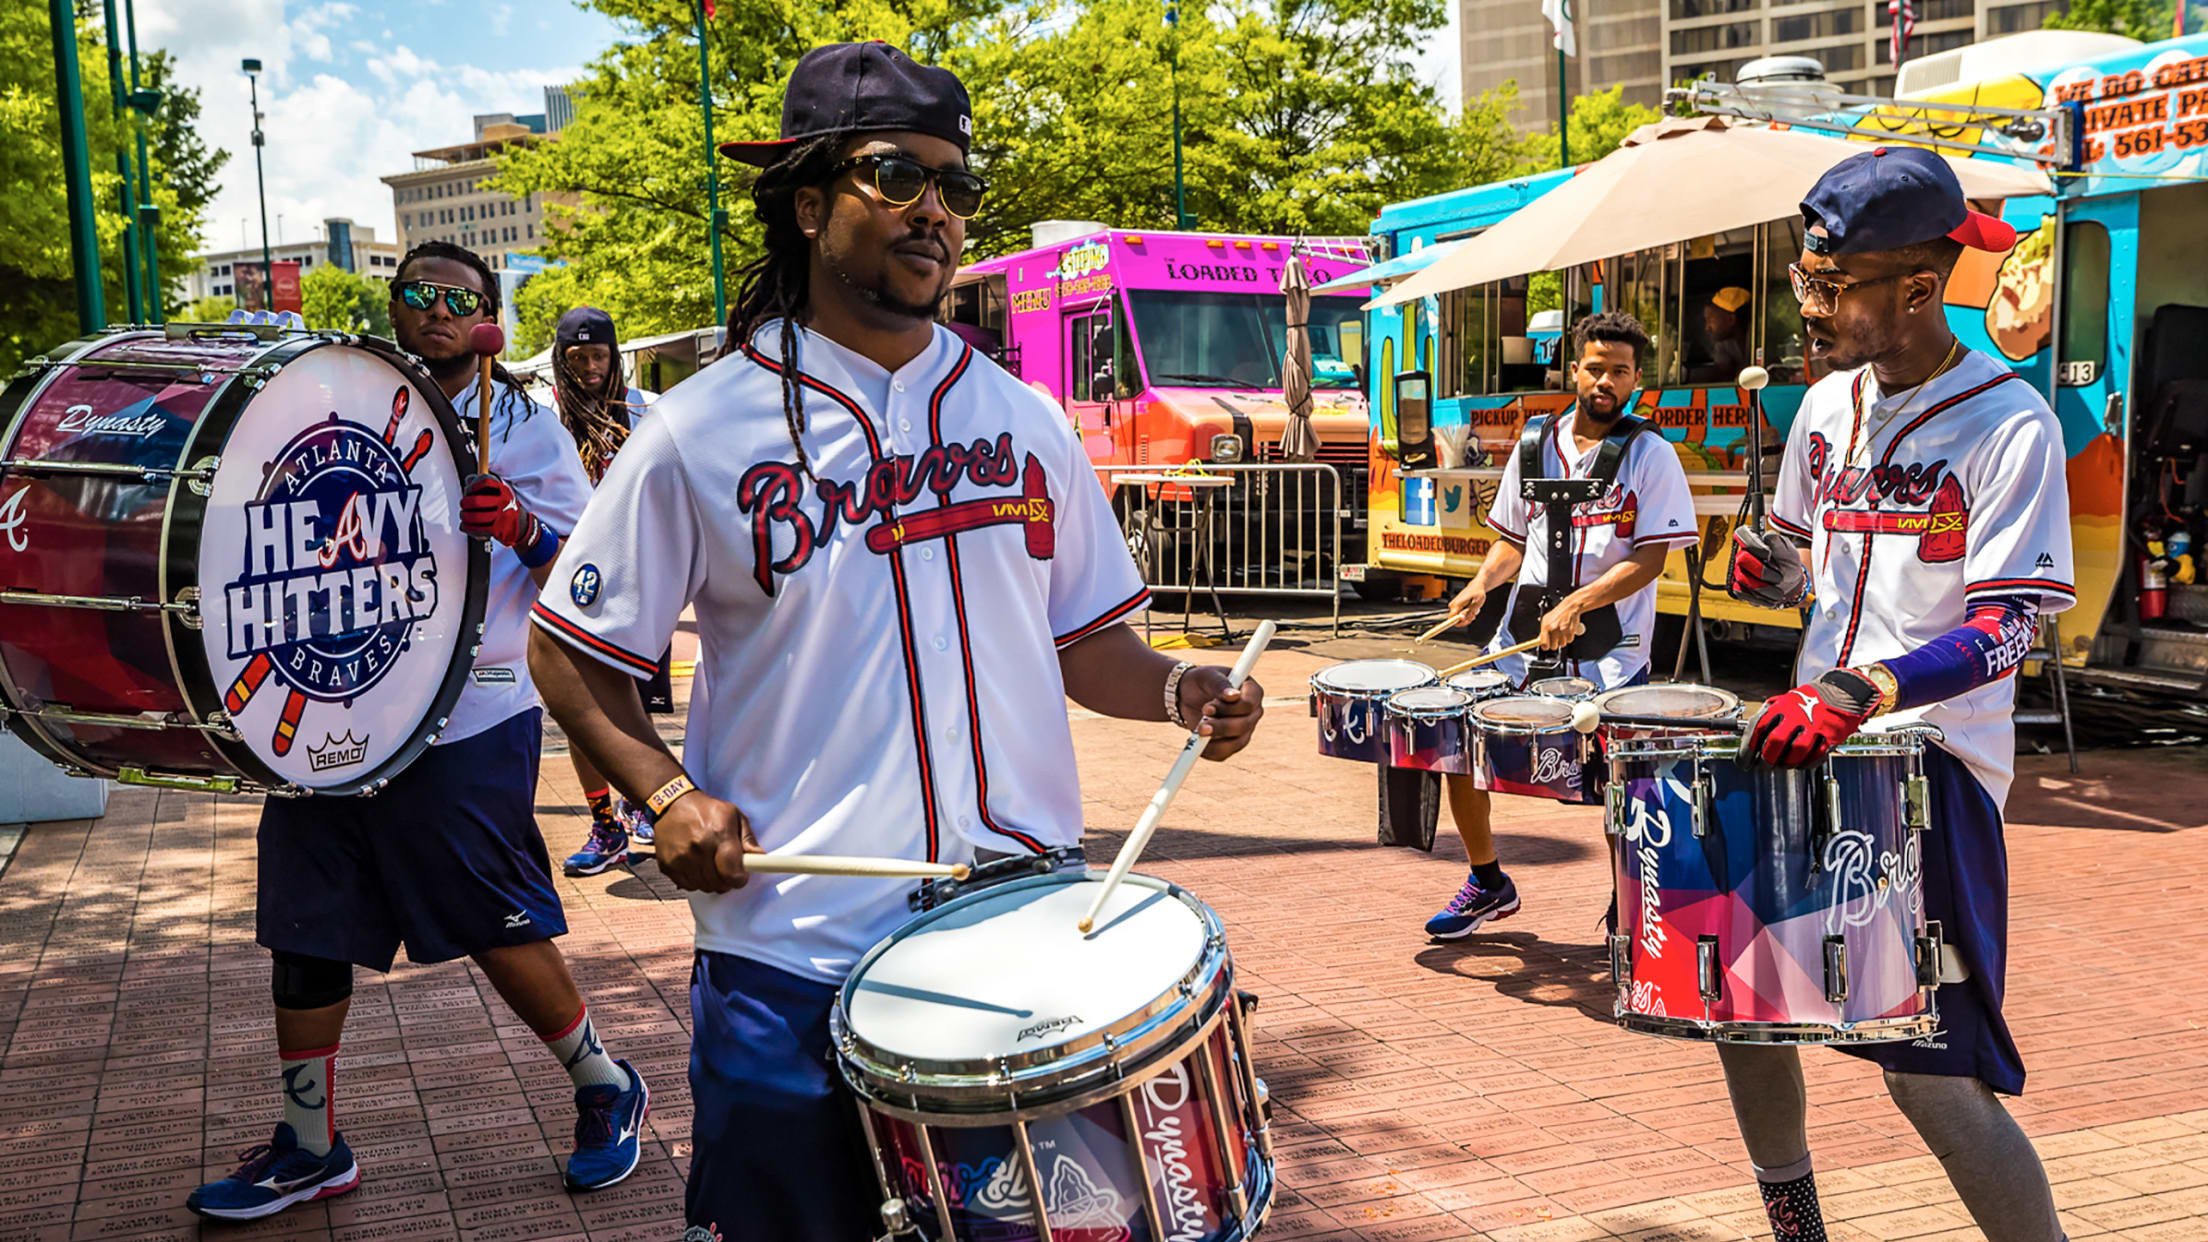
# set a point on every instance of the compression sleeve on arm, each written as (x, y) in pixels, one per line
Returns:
(1985, 648)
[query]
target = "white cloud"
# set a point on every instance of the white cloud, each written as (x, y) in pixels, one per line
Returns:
(502, 20)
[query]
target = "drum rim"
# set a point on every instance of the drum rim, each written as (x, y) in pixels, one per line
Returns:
(1800, 1034)
(1452, 711)
(1346, 692)
(1520, 728)
(223, 413)
(1592, 688)
(1136, 1042)
(1729, 703)
(1906, 742)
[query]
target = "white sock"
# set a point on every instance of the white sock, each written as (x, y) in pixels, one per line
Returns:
(307, 1088)
(583, 1057)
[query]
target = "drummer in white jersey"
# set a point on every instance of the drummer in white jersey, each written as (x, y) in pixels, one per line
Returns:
(1926, 480)
(902, 565)
(1617, 553)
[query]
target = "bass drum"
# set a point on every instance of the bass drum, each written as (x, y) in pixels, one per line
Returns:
(231, 559)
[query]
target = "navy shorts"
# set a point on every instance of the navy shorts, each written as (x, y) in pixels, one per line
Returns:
(446, 859)
(1966, 890)
(777, 1154)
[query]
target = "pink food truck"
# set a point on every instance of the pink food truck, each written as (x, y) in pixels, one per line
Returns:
(1167, 348)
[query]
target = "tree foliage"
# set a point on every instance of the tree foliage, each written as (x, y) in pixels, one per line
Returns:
(2144, 20)
(39, 309)
(331, 297)
(1298, 116)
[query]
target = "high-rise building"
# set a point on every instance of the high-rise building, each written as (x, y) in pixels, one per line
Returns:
(447, 195)
(340, 242)
(559, 110)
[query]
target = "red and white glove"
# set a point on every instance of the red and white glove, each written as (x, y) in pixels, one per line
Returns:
(1800, 727)
(1767, 570)
(491, 509)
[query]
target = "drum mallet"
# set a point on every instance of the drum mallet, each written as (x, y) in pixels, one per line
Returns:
(1132, 848)
(1492, 656)
(833, 864)
(488, 341)
(1586, 718)
(1752, 380)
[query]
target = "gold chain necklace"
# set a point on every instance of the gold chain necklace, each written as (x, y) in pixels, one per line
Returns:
(1954, 353)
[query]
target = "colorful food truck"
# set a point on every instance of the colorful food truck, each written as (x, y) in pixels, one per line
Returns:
(1169, 348)
(2102, 304)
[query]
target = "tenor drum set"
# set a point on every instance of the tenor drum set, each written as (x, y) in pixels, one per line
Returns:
(231, 559)
(1752, 904)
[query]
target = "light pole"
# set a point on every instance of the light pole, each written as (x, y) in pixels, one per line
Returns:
(260, 177)
(149, 212)
(1181, 218)
(76, 169)
(122, 168)
(712, 174)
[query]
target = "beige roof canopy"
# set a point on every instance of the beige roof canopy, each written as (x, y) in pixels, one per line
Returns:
(1677, 179)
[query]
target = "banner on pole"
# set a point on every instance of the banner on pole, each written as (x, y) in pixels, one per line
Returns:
(1561, 15)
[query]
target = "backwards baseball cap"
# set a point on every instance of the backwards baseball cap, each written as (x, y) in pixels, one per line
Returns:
(584, 325)
(849, 88)
(1891, 197)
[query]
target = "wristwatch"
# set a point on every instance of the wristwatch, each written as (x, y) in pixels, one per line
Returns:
(1889, 688)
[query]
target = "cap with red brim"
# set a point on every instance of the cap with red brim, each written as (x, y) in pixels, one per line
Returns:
(1889, 198)
(1980, 231)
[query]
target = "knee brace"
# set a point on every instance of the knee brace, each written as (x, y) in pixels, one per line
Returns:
(301, 982)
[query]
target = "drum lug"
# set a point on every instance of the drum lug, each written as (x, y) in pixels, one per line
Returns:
(188, 615)
(1247, 1000)
(201, 477)
(1312, 701)
(1707, 971)
(895, 1223)
(1621, 961)
(1264, 1098)
(1701, 798)
(1916, 802)
(1613, 808)
(1836, 969)
(1930, 947)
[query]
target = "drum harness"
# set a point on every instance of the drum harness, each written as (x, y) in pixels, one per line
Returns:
(1559, 497)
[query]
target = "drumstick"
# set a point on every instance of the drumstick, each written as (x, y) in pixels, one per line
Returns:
(487, 340)
(1752, 380)
(1444, 624)
(1586, 718)
(1490, 658)
(834, 864)
(1132, 848)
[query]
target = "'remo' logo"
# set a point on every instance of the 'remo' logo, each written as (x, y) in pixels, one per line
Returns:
(335, 572)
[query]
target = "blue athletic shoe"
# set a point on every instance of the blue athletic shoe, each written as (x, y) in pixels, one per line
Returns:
(607, 846)
(276, 1175)
(636, 821)
(608, 1122)
(1471, 907)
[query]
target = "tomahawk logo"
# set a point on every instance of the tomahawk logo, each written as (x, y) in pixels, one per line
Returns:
(335, 572)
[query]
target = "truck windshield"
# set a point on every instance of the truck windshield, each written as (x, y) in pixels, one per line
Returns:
(1237, 340)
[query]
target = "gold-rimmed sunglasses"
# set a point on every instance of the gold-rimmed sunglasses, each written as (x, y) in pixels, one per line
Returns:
(901, 180)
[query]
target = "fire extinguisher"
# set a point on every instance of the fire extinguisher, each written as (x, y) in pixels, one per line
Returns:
(2154, 583)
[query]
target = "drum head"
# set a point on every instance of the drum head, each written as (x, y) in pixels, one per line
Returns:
(1481, 681)
(1373, 677)
(1525, 711)
(1563, 687)
(334, 577)
(1007, 972)
(1679, 702)
(1424, 699)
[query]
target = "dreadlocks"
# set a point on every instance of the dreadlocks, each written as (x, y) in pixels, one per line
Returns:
(512, 398)
(590, 416)
(776, 284)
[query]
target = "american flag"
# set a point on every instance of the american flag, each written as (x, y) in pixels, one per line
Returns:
(1905, 24)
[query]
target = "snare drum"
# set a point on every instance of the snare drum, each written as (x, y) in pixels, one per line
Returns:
(1350, 701)
(1429, 729)
(1690, 705)
(1482, 683)
(1526, 745)
(1018, 1079)
(1572, 688)
(1774, 906)
(231, 558)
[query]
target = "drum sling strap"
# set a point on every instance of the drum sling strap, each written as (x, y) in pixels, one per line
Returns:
(1558, 497)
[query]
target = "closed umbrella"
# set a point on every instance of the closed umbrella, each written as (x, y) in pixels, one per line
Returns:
(1298, 442)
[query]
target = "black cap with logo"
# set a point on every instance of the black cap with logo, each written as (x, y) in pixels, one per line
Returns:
(584, 325)
(850, 88)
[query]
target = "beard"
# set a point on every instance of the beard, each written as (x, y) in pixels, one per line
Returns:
(876, 292)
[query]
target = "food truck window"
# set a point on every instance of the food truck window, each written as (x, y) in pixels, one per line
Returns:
(1785, 353)
(1645, 284)
(1716, 327)
(2084, 303)
(1126, 374)
(1467, 320)
(1337, 328)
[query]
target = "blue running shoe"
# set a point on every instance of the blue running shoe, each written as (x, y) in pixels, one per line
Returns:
(636, 821)
(607, 846)
(608, 1121)
(276, 1175)
(1471, 907)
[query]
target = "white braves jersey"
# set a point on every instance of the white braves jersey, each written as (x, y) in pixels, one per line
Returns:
(1950, 494)
(877, 643)
(1649, 504)
(533, 453)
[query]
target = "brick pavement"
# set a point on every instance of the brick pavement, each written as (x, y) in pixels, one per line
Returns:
(1473, 1090)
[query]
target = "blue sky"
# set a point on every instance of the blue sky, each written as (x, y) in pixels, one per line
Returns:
(352, 87)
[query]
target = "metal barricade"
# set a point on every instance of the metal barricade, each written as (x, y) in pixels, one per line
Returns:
(1250, 528)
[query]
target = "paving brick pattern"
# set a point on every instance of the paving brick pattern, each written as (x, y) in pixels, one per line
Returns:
(1472, 1090)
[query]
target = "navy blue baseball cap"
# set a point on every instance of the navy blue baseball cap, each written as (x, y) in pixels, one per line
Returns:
(851, 88)
(1891, 197)
(584, 325)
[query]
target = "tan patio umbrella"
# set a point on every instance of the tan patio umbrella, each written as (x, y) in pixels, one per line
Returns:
(1671, 181)
(1298, 442)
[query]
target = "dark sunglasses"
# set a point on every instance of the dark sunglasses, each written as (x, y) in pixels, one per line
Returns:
(901, 181)
(422, 294)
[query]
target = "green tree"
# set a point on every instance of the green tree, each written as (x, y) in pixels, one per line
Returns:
(1600, 123)
(38, 310)
(208, 310)
(331, 297)
(2144, 20)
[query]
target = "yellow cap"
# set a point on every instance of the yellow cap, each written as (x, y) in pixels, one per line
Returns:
(1729, 298)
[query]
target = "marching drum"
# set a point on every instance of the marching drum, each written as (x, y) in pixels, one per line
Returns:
(1428, 729)
(1691, 705)
(1018, 1079)
(1526, 745)
(1482, 683)
(1775, 906)
(230, 558)
(1350, 701)
(1573, 688)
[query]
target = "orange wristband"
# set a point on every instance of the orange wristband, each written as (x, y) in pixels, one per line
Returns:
(666, 795)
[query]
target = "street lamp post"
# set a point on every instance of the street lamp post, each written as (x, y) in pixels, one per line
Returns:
(76, 168)
(149, 212)
(122, 168)
(1181, 218)
(260, 177)
(712, 174)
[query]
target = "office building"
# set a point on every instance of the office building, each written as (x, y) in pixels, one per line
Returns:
(447, 196)
(338, 241)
